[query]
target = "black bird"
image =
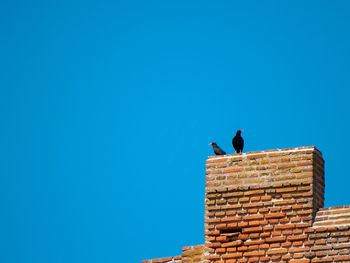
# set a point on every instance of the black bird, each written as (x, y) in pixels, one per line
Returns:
(217, 149)
(238, 142)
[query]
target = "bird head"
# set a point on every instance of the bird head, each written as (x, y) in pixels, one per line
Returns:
(239, 132)
(212, 143)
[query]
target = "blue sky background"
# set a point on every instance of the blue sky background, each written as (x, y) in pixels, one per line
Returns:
(107, 109)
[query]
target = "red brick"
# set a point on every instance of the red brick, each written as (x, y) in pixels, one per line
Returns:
(255, 192)
(286, 226)
(284, 220)
(304, 212)
(275, 245)
(321, 253)
(342, 258)
(216, 160)
(209, 238)
(303, 225)
(284, 190)
(242, 224)
(213, 220)
(297, 243)
(294, 238)
(265, 234)
(221, 226)
(275, 215)
(220, 250)
(285, 165)
(250, 205)
(213, 244)
(268, 228)
(286, 208)
(257, 223)
(273, 221)
(254, 235)
(298, 249)
(160, 260)
(255, 198)
(298, 255)
(297, 207)
(252, 229)
(243, 199)
(319, 260)
(275, 239)
(232, 244)
(220, 238)
(277, 251)
(266, 198)
(253, 211)
(254, 242)
(263, 210)
(232, 225)
(254, 253)
(212, 233)
(232, 255)
(295, 219)
(304, 163)
(264, 246)
(212, 257)
(276, 233)
(253, 217)
(286, 244)
(233, 170)
(242, 248)
(320, 242)
(256, 156)
(231, 219)
(321, 229)
(327, 247)
(243, 236)
(263, 259)
(230, 213)
(285, 202)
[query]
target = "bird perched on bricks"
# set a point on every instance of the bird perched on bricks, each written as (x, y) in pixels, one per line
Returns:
(238, 142)
(217, 150)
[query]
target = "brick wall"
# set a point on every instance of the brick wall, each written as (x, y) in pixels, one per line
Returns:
(267, 207)
(259, 205)
(329, 238)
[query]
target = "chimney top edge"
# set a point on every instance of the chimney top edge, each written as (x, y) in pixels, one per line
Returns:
(296, 149)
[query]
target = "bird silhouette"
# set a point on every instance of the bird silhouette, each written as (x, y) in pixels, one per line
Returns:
(238, 142)
(217, 149)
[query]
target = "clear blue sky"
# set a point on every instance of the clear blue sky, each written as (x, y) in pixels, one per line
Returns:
(107, 109)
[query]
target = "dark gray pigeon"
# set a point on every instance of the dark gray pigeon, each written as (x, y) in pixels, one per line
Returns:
(217, 149)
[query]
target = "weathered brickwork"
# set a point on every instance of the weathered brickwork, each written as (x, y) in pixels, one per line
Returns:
(176, 259)
(193, 254)
(190, 254)
(267, 207)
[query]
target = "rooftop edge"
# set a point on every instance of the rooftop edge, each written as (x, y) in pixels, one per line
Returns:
(296, 149)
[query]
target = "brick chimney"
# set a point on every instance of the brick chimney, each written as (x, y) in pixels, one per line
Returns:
(261, 200)
(267, 206)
